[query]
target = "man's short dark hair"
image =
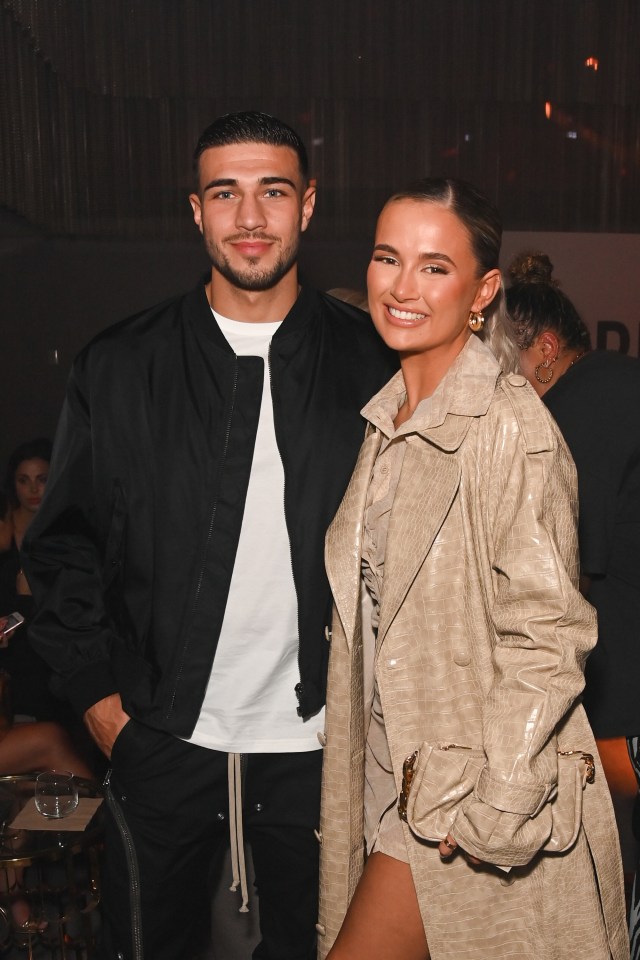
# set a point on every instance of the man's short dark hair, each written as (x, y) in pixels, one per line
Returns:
(251, 127)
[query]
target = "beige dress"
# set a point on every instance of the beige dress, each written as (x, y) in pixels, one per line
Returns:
(382, 827)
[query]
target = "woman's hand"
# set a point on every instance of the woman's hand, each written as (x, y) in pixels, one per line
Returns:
(448, 847)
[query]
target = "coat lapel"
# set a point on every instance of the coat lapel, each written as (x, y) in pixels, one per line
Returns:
(343, 551)
(428, 485)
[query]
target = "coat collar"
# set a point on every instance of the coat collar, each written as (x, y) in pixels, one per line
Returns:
(427, 487)
(465, 391)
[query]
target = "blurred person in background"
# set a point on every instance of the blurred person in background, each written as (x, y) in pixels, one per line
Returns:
(25, 482)
(594, 397)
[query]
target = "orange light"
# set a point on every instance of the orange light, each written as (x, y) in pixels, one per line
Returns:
(547, 109)
(592, 63)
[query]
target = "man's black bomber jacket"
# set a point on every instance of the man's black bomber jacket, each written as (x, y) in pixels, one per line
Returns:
(131, 553)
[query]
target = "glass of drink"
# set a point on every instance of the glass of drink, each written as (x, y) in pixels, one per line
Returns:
(56, 794)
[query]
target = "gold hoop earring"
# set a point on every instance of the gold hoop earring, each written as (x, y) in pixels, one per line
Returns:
(545, 365)
(476, 321)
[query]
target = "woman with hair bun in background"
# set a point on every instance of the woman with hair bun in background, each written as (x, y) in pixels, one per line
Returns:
(595, 398)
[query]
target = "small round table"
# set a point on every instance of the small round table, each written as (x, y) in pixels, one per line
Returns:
(52, 877)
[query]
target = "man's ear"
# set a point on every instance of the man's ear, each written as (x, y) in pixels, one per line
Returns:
(308, 204)
(487, 290)
(196, 206)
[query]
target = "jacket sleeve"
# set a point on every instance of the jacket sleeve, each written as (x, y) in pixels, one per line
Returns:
(63, 561)
(543, 631)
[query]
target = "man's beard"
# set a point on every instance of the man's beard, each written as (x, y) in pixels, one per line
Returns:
(252, 279)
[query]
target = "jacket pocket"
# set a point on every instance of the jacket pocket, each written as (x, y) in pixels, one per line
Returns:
(442, 776)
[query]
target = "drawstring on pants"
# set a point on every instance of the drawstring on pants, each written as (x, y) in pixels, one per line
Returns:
(236, 833)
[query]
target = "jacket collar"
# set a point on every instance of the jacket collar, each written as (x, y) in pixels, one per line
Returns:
(303, 312)
(443, 418)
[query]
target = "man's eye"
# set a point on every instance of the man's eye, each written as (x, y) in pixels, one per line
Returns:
(274, 192)
(223, 195)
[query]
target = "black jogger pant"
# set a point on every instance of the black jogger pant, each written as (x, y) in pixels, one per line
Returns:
(167, 821)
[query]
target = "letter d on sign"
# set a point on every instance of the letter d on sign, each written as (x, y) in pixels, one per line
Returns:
(605, 327)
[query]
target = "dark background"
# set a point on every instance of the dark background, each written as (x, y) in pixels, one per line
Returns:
(101, 102)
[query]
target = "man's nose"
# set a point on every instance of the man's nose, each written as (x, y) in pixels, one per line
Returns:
(250, 215)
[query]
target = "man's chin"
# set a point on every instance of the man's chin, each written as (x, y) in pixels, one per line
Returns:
(256, 280)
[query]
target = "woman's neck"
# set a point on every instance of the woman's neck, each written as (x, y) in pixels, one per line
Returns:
(21, 519)
(422, 372)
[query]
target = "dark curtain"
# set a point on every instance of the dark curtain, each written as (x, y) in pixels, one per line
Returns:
(537, 101)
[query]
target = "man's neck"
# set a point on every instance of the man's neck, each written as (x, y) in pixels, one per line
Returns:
(253, 306)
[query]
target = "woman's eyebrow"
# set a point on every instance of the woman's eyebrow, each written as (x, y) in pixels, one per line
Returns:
(429, 255)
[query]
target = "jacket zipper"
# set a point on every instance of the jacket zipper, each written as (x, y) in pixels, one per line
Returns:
(132, 864)
(299, 687)
(212, 516)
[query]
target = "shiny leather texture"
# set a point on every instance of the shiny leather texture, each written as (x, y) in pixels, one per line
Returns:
(482, 642)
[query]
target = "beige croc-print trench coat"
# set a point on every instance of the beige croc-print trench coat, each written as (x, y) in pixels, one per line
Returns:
(482, 642)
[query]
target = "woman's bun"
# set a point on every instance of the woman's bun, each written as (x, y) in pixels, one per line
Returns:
(531, 268)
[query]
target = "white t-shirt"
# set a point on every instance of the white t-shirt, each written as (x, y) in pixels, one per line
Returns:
(250, 704)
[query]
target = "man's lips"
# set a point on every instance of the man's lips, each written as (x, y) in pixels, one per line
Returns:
(251, 248)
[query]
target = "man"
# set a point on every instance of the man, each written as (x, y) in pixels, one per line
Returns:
(178, 557)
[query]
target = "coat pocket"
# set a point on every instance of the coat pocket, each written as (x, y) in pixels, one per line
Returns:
(435, 785)
(575, 770)
(438, 778)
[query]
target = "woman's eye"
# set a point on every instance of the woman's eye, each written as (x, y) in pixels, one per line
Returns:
(381, 258)
(434, 268)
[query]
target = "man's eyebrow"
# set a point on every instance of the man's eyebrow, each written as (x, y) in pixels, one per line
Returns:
(429, 255)
(269, 181)
(263, 181)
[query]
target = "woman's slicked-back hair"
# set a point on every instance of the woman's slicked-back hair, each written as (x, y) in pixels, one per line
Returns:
(481, 218)
(251, 127)
(478, 214)
(38, 449)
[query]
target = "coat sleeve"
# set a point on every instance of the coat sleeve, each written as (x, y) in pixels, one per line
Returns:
(543, 631)
(63, 557)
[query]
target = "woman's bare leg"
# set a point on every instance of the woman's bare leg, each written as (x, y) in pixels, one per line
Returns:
(40, 746)
(383, 921)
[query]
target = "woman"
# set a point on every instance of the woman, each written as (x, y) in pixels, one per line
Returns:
(461, 708)
(26, 478)
(25, 481)
(595, 399)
